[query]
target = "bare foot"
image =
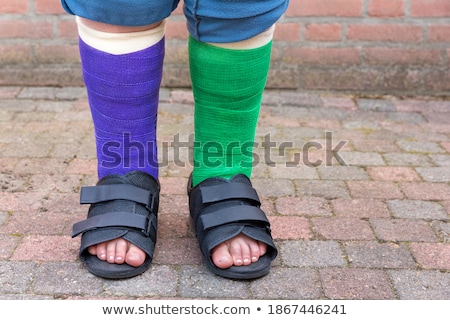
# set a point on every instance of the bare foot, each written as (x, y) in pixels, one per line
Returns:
(118, 251)
(239, 251)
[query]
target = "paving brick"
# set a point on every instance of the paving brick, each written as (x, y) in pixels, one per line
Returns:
(393, 174)
(82, 166)
(45, 93)
(361, 125)
(287, 283)
(343, 173)
(13, 182)
(5, 116)
(375, 105)
(355, 158)
(345, 103)
(342, 228)
(268, 205)
(21, 149)
(441, 160)
(177, 251)
(46, 248)
(442, 229)
(199, 283)
(356, 284)
(399, 128)
(407, 159)
(374, 189)
(446, 205)
(276, 188)
(80, 150)
(78, 94)
(302, 206)
(371, 254)
(3, 217)
(421, 285)
(66, 278)
(422, 135)
(170, 185)
(7, 245)
(403, 118)
(432, 255)
(446, 146)
(318, 188)
(37, 166)
(306, 173)
(16, 277)
(173, 223)
(435, 174)
(61, 202)
(267, 119)
(360, 208)
(312, 254)
(426, 190)
(40, 222)
(300, 99)
(419, 146)
(7, 92)
(403, 230)
(417, 209)
(159, 281)
(285, 228)
(50, 183)
(19, 201)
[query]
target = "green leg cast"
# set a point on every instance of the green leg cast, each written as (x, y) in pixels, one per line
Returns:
(228, 86)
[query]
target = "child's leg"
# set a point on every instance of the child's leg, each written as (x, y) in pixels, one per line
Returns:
(122, 72)
(228, 84)
(122, 51)
(229, 53)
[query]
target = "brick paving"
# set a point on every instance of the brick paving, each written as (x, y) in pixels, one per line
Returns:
(375, 228)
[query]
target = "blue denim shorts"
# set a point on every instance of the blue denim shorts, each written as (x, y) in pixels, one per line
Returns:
(207, 20)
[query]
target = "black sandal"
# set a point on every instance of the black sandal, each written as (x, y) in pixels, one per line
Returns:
(221, 209)
(121, 207)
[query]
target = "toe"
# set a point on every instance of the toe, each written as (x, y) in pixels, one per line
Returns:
(221, 256)
(135, 256)
(235, 249)
(111, 251)
(255, 251)
(121, 251)
(99, 250)
(246, 254)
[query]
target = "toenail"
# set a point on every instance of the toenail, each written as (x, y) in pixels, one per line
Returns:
(246, 260)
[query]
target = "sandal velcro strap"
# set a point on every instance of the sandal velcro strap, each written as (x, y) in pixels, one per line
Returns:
(102, 193)
(146, 224)
(236, 214)
(216, 193)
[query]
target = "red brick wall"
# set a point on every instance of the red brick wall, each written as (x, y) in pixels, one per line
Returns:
(399, 47)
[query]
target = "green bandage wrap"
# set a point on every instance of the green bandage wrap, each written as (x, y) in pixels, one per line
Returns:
(227, 86)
